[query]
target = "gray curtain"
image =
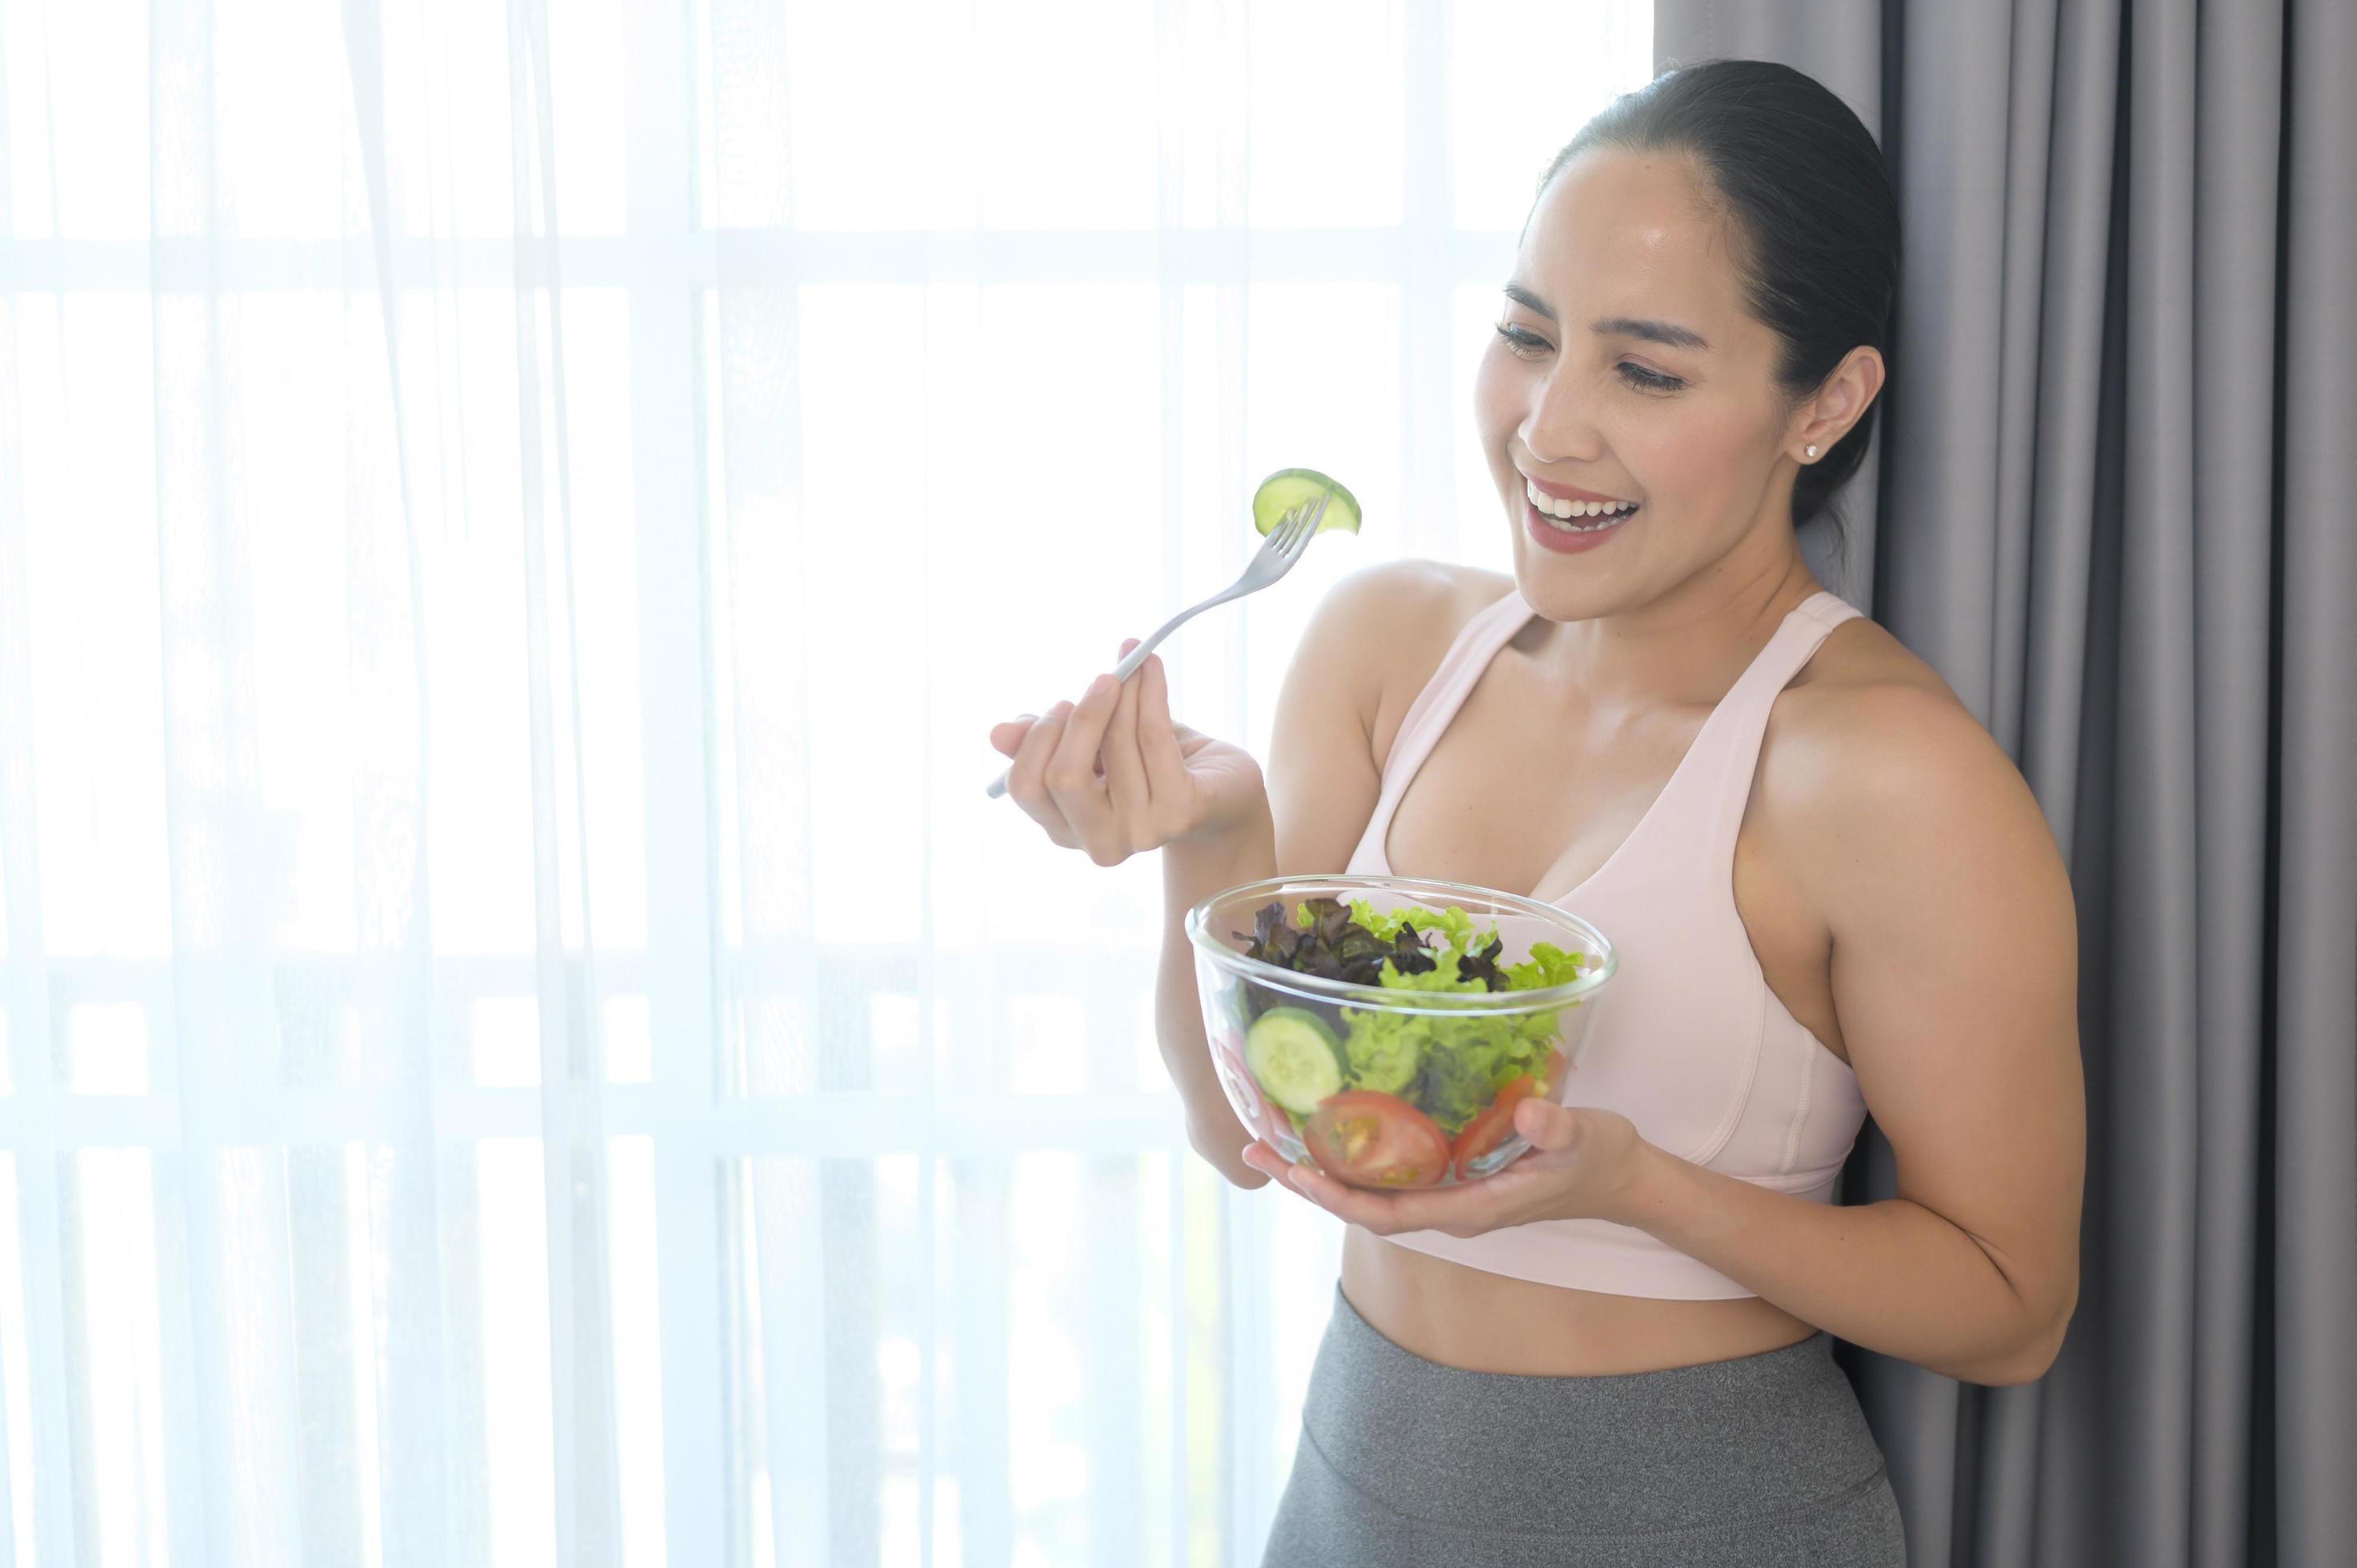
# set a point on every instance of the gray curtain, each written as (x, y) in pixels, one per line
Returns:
(2115, 505)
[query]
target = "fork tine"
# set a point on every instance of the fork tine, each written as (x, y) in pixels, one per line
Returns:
(1297, 539)
(1280, 538)
(1291, 535)
(1310, 529)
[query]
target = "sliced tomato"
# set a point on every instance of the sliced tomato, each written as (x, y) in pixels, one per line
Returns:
(1491, 1126)
(1369, 1139)
(1557, 1064)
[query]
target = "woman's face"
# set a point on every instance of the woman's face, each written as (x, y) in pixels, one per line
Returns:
(1625, 365)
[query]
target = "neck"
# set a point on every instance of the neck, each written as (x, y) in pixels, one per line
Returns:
(1686, 647)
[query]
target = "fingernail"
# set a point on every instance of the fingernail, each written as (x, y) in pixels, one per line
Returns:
(1026, 716)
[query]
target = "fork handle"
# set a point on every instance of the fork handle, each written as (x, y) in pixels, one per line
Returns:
(1129, 661)
(1136, 656)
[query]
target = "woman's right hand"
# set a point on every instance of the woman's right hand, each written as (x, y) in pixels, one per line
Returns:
(1113, 776)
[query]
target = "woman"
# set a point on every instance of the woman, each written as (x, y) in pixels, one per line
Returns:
(1832, 893)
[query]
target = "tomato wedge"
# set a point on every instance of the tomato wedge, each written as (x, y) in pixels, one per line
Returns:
(1490, 1127)
(1369, 1139)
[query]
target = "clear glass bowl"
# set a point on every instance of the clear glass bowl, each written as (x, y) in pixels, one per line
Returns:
(1459, 1044)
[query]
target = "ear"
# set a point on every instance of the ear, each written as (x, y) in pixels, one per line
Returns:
(1838, 404)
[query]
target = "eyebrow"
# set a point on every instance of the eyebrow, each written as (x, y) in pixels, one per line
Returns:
(1664, 332)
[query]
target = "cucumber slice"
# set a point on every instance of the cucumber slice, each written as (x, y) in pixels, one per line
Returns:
(1294, 1057)
(1288, 488)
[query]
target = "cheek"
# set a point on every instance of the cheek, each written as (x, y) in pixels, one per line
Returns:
(1500, 396)
(1689, 448)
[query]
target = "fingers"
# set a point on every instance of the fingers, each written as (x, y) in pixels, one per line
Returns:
(1381, 1213)
(1264, 1158)
(1376, 1213)
(1080, 770)
(1072, 775)
(1124, 771)
(1158, 741)
(1344, 1203)
(1548, 1126)
(1027, 777)
(1454, 1212)
(1008, 738)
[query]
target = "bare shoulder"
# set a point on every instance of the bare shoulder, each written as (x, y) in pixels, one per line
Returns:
(1912, 838)
(1337, 710)
(1413, 610)
(1413, 595)
(1865, 713)
(1483, 585)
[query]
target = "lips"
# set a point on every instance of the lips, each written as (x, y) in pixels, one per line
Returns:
(1566, 492)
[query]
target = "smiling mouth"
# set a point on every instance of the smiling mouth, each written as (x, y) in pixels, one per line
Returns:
(1567, 514)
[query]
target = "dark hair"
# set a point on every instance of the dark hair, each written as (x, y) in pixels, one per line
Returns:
(1816, 220)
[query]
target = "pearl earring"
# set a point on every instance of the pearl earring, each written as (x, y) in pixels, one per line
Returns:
(1812, 450)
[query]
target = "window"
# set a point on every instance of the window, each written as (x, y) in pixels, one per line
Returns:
(524, 1036)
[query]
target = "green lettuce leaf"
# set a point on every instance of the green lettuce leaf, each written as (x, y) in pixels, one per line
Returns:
(1451, 1067)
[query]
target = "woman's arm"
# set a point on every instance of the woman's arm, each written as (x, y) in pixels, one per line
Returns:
(1322, 783)
(1954, 978)
(1893, 1276)
(1191, 872)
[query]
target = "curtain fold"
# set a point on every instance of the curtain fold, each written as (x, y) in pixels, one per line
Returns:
(2109, 507)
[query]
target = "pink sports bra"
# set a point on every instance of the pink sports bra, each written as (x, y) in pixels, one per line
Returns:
(1688, 1041)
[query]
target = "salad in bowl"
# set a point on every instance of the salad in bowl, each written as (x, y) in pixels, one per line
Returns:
(1383, 1028)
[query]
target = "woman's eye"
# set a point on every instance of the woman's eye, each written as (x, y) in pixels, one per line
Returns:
(1643, 380)
(1529, 345)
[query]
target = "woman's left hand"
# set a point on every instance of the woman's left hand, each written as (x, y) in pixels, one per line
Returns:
(1583, 1162)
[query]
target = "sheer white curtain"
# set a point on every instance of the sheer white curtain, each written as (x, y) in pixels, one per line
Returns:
(525, 1040)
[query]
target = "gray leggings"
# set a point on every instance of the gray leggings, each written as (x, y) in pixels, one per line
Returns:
(1760, 1461)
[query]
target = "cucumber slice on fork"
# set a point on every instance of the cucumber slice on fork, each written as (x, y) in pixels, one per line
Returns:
(1290, 487)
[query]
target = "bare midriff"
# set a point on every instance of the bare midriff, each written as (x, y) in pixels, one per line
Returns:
(1480, 1322)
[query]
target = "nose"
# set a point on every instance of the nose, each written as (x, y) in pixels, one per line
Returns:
(1557, 428)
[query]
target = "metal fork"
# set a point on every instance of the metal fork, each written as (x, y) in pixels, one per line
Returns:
(1285, 544)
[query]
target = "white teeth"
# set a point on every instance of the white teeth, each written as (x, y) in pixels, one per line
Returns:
(1552, 506)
